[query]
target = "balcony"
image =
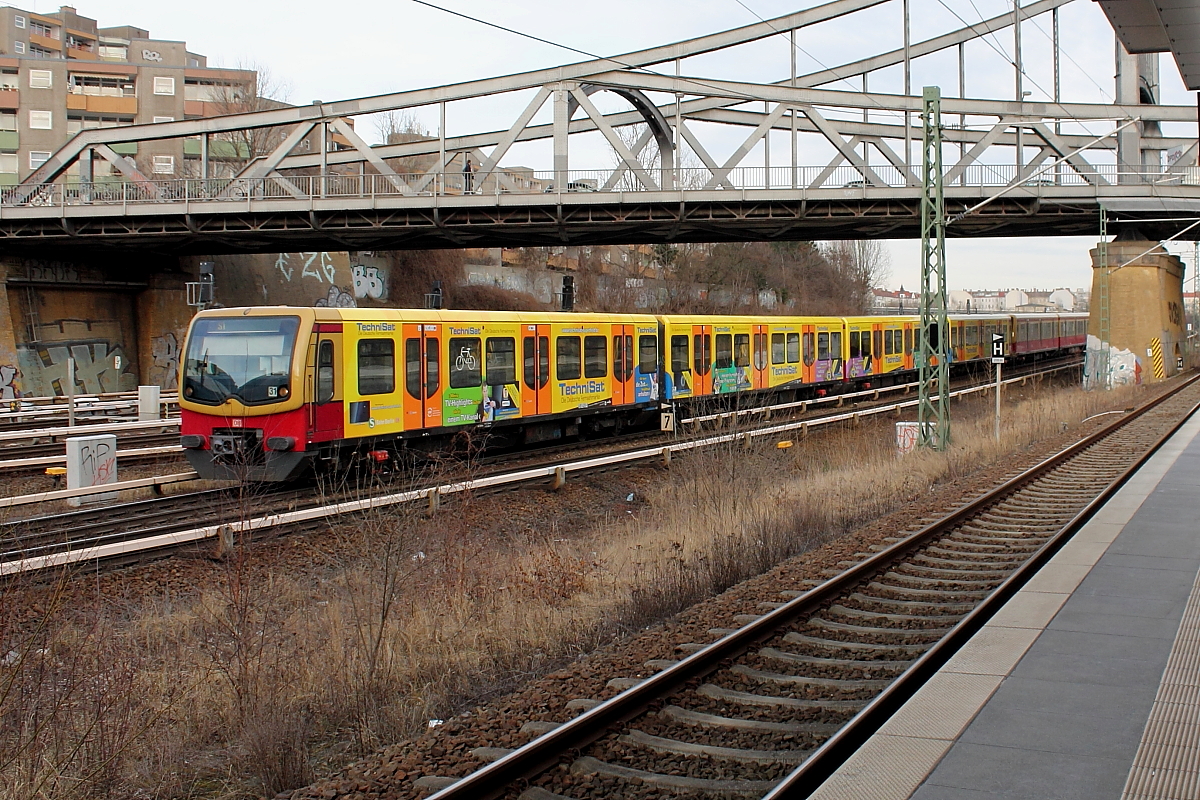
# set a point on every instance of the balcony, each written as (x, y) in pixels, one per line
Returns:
(102, 104)
(9, 141)
(10, 99)
(45, 42)
(81, 53)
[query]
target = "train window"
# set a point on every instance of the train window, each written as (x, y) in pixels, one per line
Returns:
(702, 350)
(648, 354)
(325, 371)
(741, 350)
(908, 341)
(501, 361)
(376, 366)
(412, 367)
(808, 350)
(432, 367)
(878, 349)
(529, 351)
(822, 346)
(835, 344)
(724, 351)
(679, 355)
(1023, 332)
(889, 346)
(855, 350)
(595, 357)
(1047, 330)
(760, 351)
(628, 372)
(916, 338)
(793, 348)
(570, 362)
(618, 358)
(865, 345)
(972, 334)
(466, 364)
(778, 354)
(953, 335)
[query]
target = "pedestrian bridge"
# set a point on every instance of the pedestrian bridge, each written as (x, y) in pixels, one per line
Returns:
(671, 173)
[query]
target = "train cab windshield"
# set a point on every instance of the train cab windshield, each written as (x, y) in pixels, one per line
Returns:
(249, 358)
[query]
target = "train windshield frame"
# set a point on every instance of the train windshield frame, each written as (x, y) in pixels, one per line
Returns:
(248, 358)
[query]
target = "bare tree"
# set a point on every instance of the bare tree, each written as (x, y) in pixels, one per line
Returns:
(231, 151)
(863, 264)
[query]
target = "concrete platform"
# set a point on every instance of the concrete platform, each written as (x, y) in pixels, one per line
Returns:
(1085, 685)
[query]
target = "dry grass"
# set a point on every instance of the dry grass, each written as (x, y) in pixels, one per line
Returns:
(267, 677)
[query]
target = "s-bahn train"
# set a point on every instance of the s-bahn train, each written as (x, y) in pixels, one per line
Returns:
(270, 393)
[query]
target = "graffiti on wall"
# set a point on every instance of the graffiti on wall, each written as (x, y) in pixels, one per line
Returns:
(368, 282)
(311, 265)
(100, 366)
(1123, 367)
(337, 298)
(9, 388)
(165, 370)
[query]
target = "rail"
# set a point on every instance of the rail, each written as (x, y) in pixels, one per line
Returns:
(124, 193)
(432, 495)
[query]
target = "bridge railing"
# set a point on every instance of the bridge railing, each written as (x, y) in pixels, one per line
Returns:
(371, 186)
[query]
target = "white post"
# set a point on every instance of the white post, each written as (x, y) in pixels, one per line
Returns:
(999, 367)
(149, 403)
(91, 461)
(71, 391)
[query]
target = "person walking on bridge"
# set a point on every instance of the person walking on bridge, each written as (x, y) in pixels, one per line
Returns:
(468, 177)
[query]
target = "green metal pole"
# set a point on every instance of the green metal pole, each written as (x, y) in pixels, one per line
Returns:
(933, 408)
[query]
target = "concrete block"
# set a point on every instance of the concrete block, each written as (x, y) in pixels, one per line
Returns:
(91, 461)
(149, 403)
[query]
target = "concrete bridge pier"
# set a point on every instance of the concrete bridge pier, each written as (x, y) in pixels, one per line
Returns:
(1147, 338)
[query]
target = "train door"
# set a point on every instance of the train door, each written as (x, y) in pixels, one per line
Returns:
(808, 346)
(623, 363)
(908, 345)
(326, 415)
(422, 376)
(702, 359)
(759, 360)
(535, 351)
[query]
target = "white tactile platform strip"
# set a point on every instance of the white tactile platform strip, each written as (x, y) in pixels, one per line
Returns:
(1167, 765)
(896, 760)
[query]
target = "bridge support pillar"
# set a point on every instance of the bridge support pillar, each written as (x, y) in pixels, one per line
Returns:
(1146, 328)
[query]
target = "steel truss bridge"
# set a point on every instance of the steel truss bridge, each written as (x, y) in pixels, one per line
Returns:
(370, 197)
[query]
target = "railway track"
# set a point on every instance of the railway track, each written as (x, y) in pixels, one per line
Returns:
(772, 707)
(131, 532)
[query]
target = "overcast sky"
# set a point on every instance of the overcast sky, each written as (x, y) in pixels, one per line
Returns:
(352, 48)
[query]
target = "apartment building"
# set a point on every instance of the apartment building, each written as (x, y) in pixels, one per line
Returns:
(61, 73)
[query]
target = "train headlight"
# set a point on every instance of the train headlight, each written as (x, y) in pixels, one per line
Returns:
(283, 391)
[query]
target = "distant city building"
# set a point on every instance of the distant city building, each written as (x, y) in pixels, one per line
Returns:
(898, 302)
(1025, 301)
(61, 73)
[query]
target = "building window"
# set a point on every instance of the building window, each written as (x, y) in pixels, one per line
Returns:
(40, 52)
(41, 120)
(19, 21)
(19, 48)
(41, 79)
(164, 119)
(8, 121)
(38, 157)
(114, 52)
(164, 165)
(8, 163)
(164, 86)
